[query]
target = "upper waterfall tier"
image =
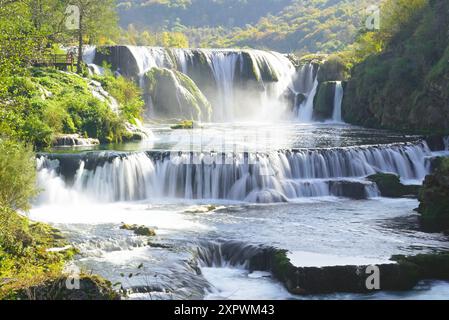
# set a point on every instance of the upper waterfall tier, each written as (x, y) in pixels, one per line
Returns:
(239, 84)
(252, 177)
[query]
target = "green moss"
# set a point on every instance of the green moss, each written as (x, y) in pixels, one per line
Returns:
(183, 125)
(176, 95)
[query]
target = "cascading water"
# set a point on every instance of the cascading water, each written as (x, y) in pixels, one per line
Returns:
(89, 53)
(274, 72)
(272, 177)
(148, 58)
(338, 99)
(305, 110)
(223, 66)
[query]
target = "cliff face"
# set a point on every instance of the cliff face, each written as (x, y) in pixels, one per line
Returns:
(407, 85)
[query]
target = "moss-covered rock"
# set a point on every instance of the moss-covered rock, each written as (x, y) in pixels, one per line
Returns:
(390, 186)
(183, 125)
(175, 95)
(324, 101)
(434, 198)
(430, 266)
(333, 68)
(90, 288)
(333, 279)
(139, 230)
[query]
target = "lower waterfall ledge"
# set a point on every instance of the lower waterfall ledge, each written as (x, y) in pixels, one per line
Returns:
(331, 275)
(400, 276)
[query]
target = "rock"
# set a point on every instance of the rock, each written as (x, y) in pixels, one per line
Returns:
(434, 199)
(91, 288)
(349, 189)
(400, 276)
(137, 132)
(202, 209)
(73, 140)
(332, 69)
(183, 125)
(139, 230)
(324, 101)
(436, 142)
(119, 58)
(174, 95)
(390, 186)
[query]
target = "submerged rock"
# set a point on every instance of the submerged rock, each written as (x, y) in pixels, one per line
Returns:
(434, 198)
(139, 230)
(390, 186)
(174, 95)
(185, 124)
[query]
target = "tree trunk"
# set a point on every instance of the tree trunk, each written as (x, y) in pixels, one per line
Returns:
(80, 47)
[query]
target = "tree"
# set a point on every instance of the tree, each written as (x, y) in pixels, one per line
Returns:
(97, 18)
(17, 175)
(16, 40)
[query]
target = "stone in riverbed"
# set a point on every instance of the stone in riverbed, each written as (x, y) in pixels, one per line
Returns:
(390, 186)
(139, 230)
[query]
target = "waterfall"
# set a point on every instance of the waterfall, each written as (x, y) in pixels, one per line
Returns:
(446, 143)
(252, 177)
(148, 58)
(273, 72)
(305, 110)
(89, 53)
(223, 66)
(338, 99)
(304, 79)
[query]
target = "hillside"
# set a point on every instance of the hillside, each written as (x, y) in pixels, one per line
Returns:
(405, 86)
(282, 25)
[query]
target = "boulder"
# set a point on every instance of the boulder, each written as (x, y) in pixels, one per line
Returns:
(434, 199)
(324, 101)
(349, 189)
(139, 230)
(390, 186)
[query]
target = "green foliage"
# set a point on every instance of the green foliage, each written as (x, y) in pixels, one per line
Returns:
(127, 94)
(51, 102)
(17, 175)
(401, 72)
(282, 25)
